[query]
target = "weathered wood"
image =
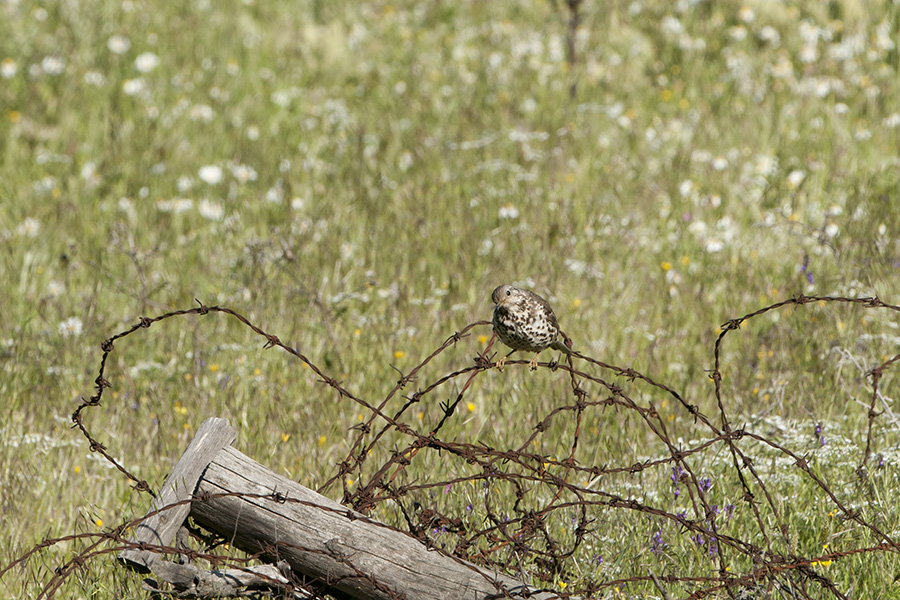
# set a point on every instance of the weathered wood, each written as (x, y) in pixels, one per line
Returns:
(324, 540)
(349, 553)
(160, 529)
(191, 582)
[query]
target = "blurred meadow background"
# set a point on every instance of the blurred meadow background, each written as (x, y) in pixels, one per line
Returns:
(356, 177)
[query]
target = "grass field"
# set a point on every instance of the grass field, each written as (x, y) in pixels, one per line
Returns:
(355, 178)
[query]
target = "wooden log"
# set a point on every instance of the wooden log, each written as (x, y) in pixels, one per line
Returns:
(345, 550)
(160, 529)
(349, 553)
(191, 582)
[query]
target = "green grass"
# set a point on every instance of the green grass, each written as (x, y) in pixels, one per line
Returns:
(384, 166)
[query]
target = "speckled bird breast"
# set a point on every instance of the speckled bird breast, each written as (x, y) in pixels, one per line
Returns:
(524, 329)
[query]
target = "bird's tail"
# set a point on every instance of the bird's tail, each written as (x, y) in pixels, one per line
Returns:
(564, 345)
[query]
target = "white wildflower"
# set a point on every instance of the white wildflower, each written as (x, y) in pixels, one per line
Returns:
(175, 205)
(53, 65)
(698, 228)
(133, 87)
(94, 78)
(55, 289)
(126, 205)
(746, 14)
(770, 35)
(405, 161)
(71, 327)
(202, 112)
(738, 33)
(766, 165)
(795, 178)
(118, 44)
(275, 194)
(714, 245)
(701, 156)
(671, 26)
(211, 210)
(808, 53)
(508, 211)
(30, 227)
(243, 173)
(8, 68)
(211, 174)
(146, 62)
(719, 163)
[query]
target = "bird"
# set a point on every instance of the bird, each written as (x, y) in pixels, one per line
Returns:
(524, 321)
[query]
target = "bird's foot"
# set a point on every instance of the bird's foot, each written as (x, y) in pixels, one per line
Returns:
(532, 364)
(501, 363)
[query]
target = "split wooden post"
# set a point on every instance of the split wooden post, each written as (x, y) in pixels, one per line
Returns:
(348, 553)
(160, 529)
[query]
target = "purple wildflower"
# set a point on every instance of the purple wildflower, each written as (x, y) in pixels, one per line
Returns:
(676, 475)
(657, 543)
(819, 435)
(805, 269)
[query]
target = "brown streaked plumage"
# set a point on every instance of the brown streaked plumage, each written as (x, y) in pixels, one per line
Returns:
(524, 321)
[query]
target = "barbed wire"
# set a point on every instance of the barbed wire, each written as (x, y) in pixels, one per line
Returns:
(516, 534)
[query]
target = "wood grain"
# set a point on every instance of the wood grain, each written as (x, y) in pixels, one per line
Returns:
(160, 529)
(324, 540)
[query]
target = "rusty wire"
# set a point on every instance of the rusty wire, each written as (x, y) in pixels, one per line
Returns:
(502, 541)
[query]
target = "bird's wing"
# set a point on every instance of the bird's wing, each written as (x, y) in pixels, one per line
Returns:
(545, 308)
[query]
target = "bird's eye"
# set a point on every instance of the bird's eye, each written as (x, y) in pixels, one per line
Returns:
(509, 292)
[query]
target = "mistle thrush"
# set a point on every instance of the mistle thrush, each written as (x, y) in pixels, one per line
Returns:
(524, 321)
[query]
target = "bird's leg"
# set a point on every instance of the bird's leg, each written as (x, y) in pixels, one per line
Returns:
(532, 364)
(502, 362)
